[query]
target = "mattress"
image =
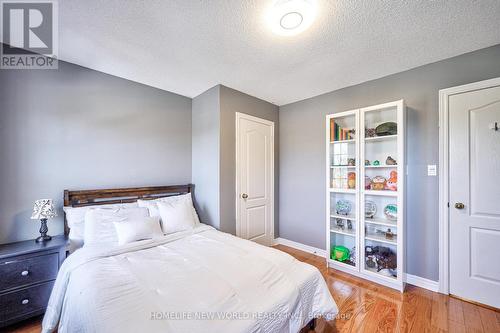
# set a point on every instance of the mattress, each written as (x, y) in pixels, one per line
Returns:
(201, 280)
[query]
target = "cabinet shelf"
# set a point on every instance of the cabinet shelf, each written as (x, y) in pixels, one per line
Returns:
(343, 190)
(380, 166)
(374, 271)
(346, 264)
(384, 222)
(385, 193)
(343, 166)
(381, 138)
(345, 217)
(343, 232)
(382, 239)
(344, 141)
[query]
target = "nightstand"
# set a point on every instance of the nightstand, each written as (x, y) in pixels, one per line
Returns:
(27, 273)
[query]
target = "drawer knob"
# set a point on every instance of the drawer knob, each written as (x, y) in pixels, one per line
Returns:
(25, 273)
(25, 301)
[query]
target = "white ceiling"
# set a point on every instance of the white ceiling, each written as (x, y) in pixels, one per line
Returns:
(188, 46)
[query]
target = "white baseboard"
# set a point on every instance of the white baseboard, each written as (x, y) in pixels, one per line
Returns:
(300, 246)
(410, 279)
(422, 282)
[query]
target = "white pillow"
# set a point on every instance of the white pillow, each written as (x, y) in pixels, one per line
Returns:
(99, 228)
(153, 208)
(132, 230)
(75, 217)
(176, 216)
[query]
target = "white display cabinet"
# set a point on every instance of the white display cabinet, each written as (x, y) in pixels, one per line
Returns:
(365, 166)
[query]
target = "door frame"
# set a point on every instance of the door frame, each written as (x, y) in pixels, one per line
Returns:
(444, 146)
(239, 116)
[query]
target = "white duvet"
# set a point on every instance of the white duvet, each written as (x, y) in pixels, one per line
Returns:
(194, 281)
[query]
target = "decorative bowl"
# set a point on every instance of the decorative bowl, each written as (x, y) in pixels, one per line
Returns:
(343, 207)
(391, 212)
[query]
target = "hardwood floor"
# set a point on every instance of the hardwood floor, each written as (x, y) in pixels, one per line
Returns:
(368, 307)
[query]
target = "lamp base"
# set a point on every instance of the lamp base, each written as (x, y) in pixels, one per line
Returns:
(43, 232)
(42, 239)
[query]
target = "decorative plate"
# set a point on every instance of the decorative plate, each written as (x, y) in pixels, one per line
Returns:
(343, 207)
(370, 209)
(391, 212)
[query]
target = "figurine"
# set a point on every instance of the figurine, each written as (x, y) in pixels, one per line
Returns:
(378, 183)
(368, 182)
(371, 262)
(390, 161)
(370, 259)
(367, 162)
(349, 225)
(392, 183)
(389, 234)
(352, 256)
(370, 209)
(370, 132)
(376, 162)
(351, 134)
(340, 224)
(351, 162)
(351, 180)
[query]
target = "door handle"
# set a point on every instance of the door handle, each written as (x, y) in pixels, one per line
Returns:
(459, 205)
(244, 195)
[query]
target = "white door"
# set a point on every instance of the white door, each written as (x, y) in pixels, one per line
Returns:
(474, 187)
(254, 179)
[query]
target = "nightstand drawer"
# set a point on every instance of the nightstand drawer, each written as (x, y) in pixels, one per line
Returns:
(25, 301)
(21, 272)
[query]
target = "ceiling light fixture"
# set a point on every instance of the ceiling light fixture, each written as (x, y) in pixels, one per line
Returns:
(291, 17)
(291, 20)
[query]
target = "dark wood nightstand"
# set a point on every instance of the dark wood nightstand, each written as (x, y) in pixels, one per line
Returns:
(27, 273)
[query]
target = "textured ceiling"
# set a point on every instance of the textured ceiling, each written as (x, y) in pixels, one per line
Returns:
(188, 46)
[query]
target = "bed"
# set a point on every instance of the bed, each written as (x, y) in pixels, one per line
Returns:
(198, 280)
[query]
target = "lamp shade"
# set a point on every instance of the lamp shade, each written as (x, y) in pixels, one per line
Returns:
(43, 209)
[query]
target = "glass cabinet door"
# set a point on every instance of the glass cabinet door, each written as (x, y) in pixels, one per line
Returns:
(343, 183)
(379, 170)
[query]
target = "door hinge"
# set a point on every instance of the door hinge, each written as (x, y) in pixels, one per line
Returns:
(448, 204)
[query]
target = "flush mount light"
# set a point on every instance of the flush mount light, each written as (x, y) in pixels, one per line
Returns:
(291, 20)
(291, 17)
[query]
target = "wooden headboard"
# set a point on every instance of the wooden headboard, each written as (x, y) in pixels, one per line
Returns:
(120, 195)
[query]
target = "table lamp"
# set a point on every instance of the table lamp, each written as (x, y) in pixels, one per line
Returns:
(43, 210)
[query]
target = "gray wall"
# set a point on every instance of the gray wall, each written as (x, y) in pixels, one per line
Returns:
(76, 128)
(232, 101)
(302, 151)
(214, 152)
(205, 155)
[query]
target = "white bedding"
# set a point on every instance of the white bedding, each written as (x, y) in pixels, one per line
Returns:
(193, 281)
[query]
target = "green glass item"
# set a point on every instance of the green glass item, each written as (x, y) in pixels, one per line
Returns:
(339, 253)
(391, 212)
(376, 162)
